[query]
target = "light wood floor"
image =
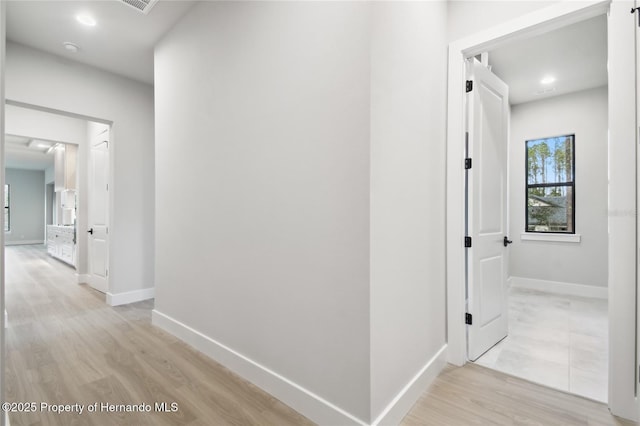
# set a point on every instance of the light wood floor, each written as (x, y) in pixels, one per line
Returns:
(66, 346)
(475, 395)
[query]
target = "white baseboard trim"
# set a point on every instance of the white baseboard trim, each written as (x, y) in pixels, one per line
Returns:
(557, 287)
(130, 296)
(83, 278)
(23, 242)
(297, 397)
(404, 401)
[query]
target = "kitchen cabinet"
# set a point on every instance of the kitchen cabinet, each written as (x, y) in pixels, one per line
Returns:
(61, 244)
(65, 161)
(68, 199)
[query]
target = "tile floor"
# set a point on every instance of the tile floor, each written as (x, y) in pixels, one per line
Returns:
(555, 340)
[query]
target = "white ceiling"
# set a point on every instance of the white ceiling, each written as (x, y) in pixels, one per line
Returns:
(26, 153)
(575, 55)
(122, 41)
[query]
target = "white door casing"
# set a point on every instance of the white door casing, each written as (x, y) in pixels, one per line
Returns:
(98, 213)
(488, 115)
(637, 360)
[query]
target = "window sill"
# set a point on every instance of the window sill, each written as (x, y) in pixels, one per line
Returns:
(558, 238)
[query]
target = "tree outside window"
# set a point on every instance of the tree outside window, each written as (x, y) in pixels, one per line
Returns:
(551, 185)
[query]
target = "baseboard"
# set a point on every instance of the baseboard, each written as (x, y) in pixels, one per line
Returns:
(297, 397)
(407, 397)
(83, 278)
(23, 242)
(561, 288)
(130, 296)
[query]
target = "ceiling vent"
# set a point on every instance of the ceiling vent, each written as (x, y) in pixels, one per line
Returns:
(143, 6)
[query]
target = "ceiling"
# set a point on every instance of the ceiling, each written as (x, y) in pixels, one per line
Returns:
(26, 153)
(122, 40)
(575, 55)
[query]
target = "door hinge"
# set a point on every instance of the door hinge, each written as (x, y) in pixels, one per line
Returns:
(469, 86)
(467, 241)
(467, 163)
(468, 319)
(634, 10)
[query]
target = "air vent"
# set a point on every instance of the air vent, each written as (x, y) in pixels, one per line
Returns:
(143, 6)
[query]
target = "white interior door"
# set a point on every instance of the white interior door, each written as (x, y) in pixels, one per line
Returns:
(98, 220)
(488, 115)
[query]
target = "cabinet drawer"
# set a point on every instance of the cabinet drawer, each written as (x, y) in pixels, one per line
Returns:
(66, 253)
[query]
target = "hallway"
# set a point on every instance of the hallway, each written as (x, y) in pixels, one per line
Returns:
(66, 346)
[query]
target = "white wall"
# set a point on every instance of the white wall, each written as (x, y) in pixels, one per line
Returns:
(408, 107)
(37, 78)
(469, 17)
(49, 174)
(585, 115)
(26, 206)
(262, 187)
(311, 120)
(37, 124)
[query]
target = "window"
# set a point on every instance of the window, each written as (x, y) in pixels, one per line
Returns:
(551, 185)
(7, 209)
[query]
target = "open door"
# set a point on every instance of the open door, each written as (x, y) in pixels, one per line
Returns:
(487, 126)
(98, 218)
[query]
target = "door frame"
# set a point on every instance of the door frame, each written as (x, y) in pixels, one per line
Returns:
(82, 274)
(622, 181)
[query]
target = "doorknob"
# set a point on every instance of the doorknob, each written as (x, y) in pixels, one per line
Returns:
(506, 241)
(90, 231)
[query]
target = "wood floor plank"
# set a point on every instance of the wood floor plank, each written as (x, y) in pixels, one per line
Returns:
(476, 395)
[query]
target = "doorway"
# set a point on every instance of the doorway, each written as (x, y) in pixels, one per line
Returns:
(75, 197)
(622, 187)
(555, 300)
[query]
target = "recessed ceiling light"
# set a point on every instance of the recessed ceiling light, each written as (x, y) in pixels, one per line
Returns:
(43, 145)
(85, 19)
(73, 48)
(548, 80)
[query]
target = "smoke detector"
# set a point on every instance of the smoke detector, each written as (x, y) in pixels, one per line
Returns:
(143, 6)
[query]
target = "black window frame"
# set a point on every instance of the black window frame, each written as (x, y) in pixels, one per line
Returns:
(571, 184)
